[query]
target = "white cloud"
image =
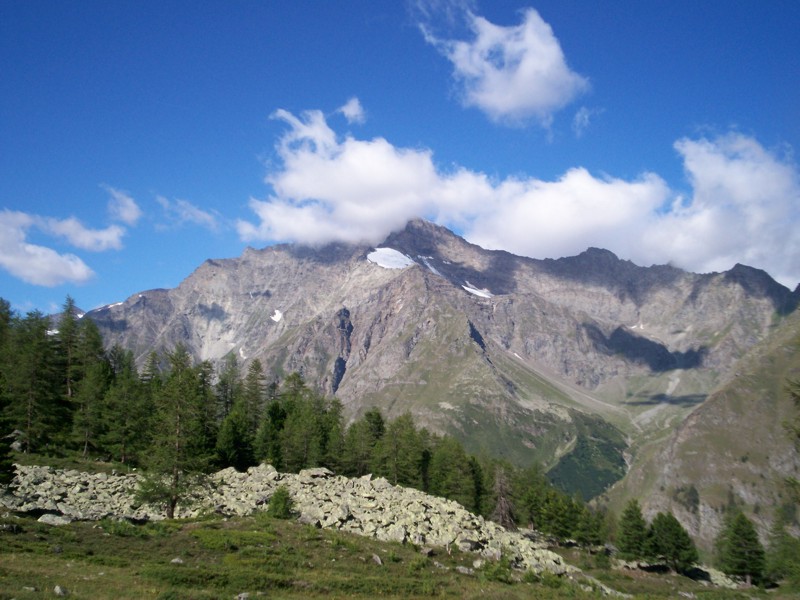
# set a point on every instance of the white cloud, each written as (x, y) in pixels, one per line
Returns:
(512, 73)
(353, 111)
(35, 264)
(582, 119)
(122, 207)
(182, 212)
(744, 205)
(95, 240)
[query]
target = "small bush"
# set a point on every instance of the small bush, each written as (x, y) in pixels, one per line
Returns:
(499, 570)
(280, 505)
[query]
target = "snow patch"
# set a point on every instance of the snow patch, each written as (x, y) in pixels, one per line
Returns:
(389, 258)
(446, 406)
(431, 268)
(277, 316)
(483, 293)
(241, 353)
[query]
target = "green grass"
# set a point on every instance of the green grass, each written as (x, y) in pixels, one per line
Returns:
(221, 558)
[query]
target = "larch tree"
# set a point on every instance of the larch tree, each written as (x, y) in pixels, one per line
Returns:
(177, 457)
(632, 532)
(739, 551)
(668, 540)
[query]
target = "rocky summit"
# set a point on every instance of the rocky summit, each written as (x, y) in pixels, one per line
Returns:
(590, 365)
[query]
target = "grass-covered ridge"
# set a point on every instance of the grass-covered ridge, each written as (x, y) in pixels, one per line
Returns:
(264, 557)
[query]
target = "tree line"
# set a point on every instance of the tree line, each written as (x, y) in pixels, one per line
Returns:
(60, 391)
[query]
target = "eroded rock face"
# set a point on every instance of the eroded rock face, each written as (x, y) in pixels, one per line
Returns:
(365, 506)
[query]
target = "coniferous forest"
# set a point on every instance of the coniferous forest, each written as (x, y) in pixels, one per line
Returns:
(63, 394)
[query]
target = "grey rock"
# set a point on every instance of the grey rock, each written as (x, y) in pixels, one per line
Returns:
(60, 591)
(50, 519)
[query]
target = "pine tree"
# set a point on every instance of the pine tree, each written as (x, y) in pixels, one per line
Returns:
(33, 383)
(398, 453)
(229, 387)
(177, 456)
(6, 460)
(234, 441)
(128, 411)
(783, 552)
(739, 550)
(504, 511)
(69, 338)
(450, 474)
(253, 395)
(88, 419)
(268, 437)
(667, 539)
(334, 436)
(632, 532)
(301, 443)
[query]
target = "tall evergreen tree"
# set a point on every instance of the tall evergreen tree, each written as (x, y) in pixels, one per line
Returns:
(254, 395)
(235, 441)
(229, 386)
(177, 456)
(739, 550)
(6, 460)
(667, 539)
(302, 441)
(33, 383)
(68, 337)
(128, 409)
(267, 443)
(504, 511)
(632, 532)
(398, 454)
(783, 552)
(450, 474)
(358, 448)
(89, 419)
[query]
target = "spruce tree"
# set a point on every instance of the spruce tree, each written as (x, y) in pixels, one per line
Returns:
(632, 532)
(739, 550)
(668, 540)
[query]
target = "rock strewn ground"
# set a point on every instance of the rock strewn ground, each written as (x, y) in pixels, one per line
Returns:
(365, 506)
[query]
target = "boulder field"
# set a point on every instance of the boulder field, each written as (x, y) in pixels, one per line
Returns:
(366, 506)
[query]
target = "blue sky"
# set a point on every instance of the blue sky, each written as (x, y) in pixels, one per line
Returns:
(139, 138)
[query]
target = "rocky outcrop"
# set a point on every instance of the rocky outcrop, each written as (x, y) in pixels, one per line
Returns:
(365, 506)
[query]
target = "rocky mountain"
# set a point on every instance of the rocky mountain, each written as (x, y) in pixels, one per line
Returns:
(585, 363)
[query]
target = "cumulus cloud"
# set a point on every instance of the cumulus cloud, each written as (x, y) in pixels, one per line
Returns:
(122, 207)
(743, 205)
(512, 73)
(80, 236)
(32, 263)
(183, 212)
(353, 111)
